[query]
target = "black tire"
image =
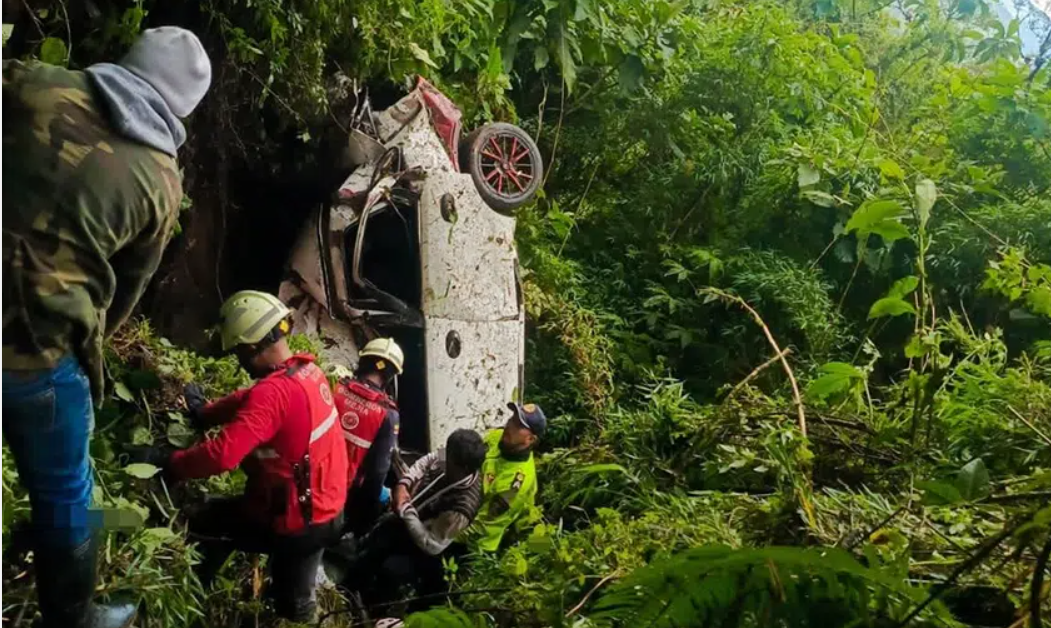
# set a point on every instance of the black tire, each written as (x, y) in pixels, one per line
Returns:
(477, 158)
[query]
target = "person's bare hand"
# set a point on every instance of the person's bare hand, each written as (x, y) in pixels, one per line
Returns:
(399, 497)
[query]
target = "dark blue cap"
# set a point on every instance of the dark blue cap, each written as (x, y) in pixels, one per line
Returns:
(531, 416)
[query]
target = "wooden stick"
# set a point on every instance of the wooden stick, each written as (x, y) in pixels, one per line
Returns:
(755, 373)
(1045, 437)
(773, 343)
(580, 605)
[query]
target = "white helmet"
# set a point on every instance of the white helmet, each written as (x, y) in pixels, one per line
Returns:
(385, 349)
(340, 372)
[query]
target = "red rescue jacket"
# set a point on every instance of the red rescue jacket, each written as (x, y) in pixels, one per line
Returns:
(284, 433)
(362, 410)
(311, 489)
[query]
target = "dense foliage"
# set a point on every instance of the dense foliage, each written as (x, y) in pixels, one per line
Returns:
(788, 289)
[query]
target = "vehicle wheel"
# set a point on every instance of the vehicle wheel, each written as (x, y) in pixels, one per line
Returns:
(505, 164)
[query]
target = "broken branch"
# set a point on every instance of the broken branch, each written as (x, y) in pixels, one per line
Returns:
(733, 298)
(1044, 437)
(755, 373)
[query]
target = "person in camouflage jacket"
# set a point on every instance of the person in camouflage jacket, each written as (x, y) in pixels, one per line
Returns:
(91, 197)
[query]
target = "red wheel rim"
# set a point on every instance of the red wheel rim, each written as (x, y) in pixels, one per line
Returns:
(506, 164)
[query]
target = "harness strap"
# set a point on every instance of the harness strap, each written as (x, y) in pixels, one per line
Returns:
(301, 474)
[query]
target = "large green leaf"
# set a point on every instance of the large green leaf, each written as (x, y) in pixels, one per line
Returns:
(566, 62)
(836, 378)
(1039, 300)
(181, 436)
(926, 195)
(421, 54)
(890, 231)
(583, 10)
(540, 58)
(819, 198)
(141, 470)
(904, 286)
(891, 169)
(879, 217)
(630, 74)
(443, 618)
(939, 493)
(141, 436)
(842, 368)
(54, 51)
(123, 392)
(807, 175)
(973, 480)
(890, 306)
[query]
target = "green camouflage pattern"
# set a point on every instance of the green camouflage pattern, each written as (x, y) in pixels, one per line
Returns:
(87, 214)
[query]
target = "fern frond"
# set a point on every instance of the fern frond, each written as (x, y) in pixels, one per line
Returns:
(444, 618)
(773, 586)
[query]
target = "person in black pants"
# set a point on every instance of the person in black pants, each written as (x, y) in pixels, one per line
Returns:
(435, 501)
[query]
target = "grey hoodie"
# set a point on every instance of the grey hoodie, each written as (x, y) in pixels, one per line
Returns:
(136, 109)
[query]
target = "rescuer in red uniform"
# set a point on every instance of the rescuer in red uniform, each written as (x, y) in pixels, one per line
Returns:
(285, 432)
(370, 422)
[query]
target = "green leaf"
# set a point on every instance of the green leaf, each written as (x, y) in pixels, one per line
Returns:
(8, 29)
(693, 586)
(604, 468)
(819, 198)
(180, 435)
(154, 538)
(872, 214)
(891, 169)
(939, 493)
(126, 517)
(890, 306)
(1039, 300)
(842, 368)
(421, 54)
(807, 175)
(630, 73)
(967, 7)
(540, 58)
(142, 470)
(565, 59)
(915, 348)
(973, 480)
(443, 618)
(904, 286)
(926, 195)
(123, 392)
(495, 66)
(583, 10)
(890, 231)
(54, 51)
(141, 436)
(828, 385)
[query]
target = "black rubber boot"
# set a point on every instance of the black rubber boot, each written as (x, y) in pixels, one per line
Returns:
(65, 580)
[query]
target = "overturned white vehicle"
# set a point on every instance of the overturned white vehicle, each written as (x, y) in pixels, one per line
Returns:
(416, 249)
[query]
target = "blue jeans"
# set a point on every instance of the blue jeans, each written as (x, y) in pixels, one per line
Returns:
(48, 419)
